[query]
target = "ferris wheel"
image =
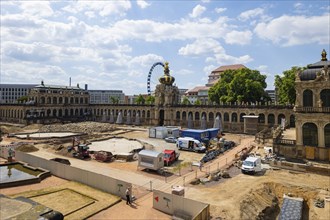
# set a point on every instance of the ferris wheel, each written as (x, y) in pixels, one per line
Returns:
(153, 76)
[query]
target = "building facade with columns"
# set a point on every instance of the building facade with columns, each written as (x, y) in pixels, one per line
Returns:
(313, 108)
(312, 114)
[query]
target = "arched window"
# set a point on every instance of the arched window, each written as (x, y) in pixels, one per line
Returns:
(271, 119)
(211, 116)
(54, 100)
(60, 112)
(261, 119)
(196, 116)
(148, 114)
(234, 117)
(310, 134)
(279, 118)
(292, 121)
(308, 98)
(184, 116)
(241, 119)
(226, 116)
(204, 116)
(327, 135)
(325, 97)
(177, 115)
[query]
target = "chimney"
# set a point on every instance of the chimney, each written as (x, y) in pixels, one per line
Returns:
(86, 87)
(70, 81)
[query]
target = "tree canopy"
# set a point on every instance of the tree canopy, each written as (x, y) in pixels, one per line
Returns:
(242, 85)
(140, 100)
(198, 102)
(114, 100)
(150, 100)
(285, 86)
(185, 101)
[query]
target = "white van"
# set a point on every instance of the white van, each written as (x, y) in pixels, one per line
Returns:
(191, 144)
(251, 165)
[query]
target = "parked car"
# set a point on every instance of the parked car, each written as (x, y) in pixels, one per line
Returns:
(171, 139)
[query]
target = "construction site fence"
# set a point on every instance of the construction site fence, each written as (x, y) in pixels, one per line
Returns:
(140, 191)
(225, 162)
(180, 207)
(92, 179)
(323, 170)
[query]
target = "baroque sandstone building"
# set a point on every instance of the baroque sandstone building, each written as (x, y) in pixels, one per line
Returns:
(312, 110)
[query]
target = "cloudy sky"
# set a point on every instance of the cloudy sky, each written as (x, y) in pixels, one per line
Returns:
(113, 44)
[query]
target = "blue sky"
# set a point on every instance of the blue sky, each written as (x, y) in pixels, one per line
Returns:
(113, 44)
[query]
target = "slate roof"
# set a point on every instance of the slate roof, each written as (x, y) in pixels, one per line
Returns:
(227, 67)
(312, 69)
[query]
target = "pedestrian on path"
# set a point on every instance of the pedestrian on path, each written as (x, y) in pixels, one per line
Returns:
(200, 166)
(128, 196)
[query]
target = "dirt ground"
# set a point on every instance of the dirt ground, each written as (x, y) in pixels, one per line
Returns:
(239, 197)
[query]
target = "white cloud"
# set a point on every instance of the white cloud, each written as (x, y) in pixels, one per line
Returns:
(223, 59)
(197, 11)
(152, 31)
(103, 8)
(262, 68)
(297, 5)
(246, 15)
(38, 52)
(211, 46)
(295, 30)
(201, 46)
(146, 60)
(37, 8)
(142, 4)
(220, 10)
(238, 37)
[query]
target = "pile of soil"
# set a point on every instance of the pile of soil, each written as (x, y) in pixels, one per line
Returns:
(27, 148)
(85, 127)
(265, 202)
(6, 129)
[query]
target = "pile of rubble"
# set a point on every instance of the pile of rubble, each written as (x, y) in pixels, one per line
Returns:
(85, 127)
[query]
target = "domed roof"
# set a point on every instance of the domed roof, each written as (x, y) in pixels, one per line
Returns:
(166, 78)
(312, 69)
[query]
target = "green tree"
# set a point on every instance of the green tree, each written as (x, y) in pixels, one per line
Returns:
(150, 100)
(185, 101)
(285, 86)
(140, 100)
(242, 85)
(198, 102)
(23, 99)
(114, 100)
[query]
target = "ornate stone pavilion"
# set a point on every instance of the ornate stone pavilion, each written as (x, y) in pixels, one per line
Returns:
(312, 111)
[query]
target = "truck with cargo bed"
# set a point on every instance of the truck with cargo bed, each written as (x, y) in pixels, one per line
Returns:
(170, 156)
